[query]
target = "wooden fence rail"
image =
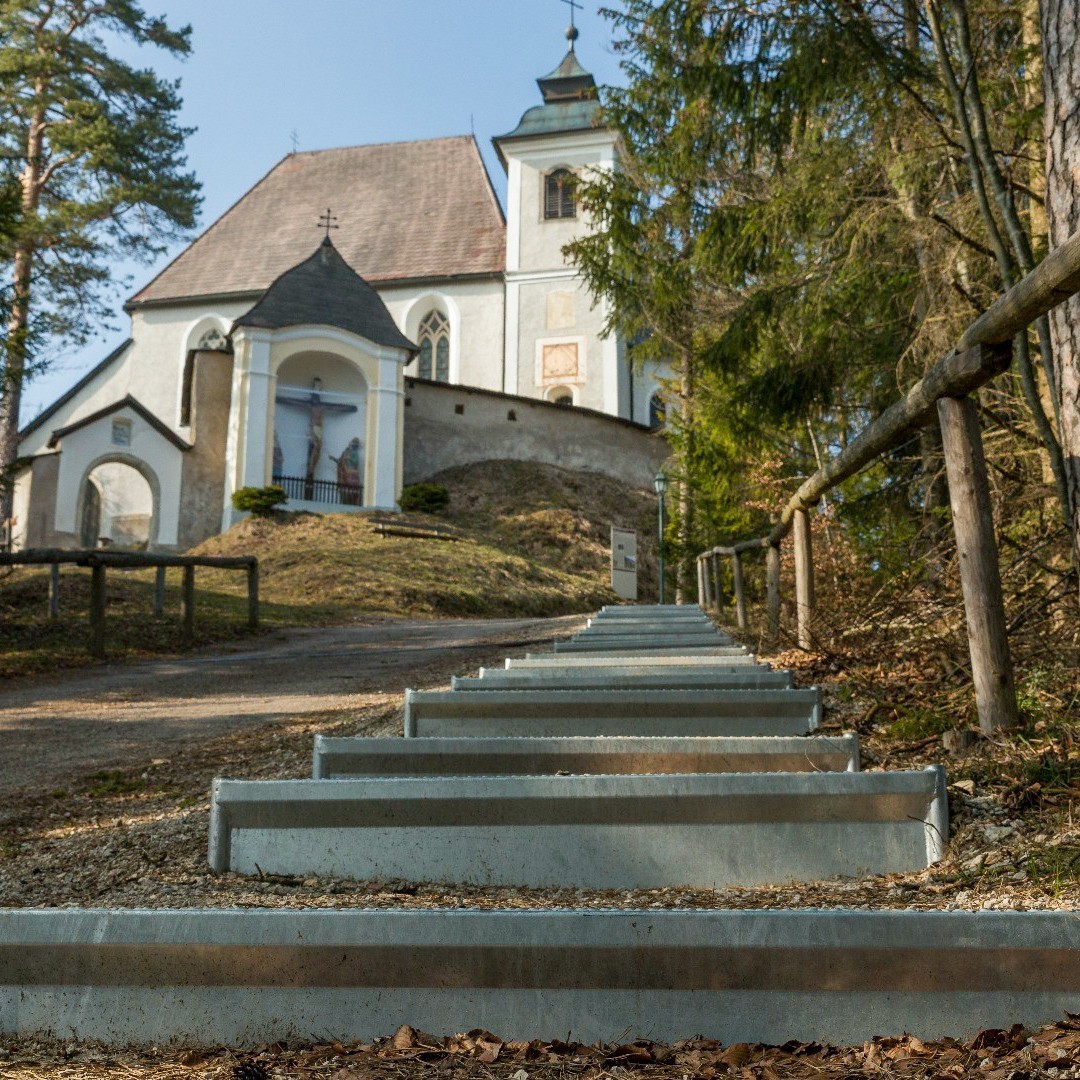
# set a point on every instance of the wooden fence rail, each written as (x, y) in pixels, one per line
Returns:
(983, 351)
(98, 561)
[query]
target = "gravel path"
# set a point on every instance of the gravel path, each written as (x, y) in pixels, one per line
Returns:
(54, 728)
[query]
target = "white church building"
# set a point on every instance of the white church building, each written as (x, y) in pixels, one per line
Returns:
(425, 329)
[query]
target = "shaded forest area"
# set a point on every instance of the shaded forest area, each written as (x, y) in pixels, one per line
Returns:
(819, 197)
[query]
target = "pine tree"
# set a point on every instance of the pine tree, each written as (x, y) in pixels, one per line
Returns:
(95, 151)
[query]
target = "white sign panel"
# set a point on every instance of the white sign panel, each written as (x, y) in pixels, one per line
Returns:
(624, 562)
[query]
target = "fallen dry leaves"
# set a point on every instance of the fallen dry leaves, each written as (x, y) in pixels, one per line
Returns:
(1016, 1054)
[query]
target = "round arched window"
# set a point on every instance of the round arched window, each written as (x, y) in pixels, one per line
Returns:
(561, 395)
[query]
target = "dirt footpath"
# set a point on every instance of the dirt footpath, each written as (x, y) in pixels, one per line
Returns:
(53, 728)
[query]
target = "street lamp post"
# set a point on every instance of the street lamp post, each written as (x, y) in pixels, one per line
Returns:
(660, 483)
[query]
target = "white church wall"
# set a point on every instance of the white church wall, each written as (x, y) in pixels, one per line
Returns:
(163, 336)
(476, 312)
(539, 242)
(573, 321)
(21, 510)
(151, 370)
(110, 386)
(548, 303)
(91, 446)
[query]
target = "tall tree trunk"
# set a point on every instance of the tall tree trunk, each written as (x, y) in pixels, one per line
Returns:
(1061, 81)
(14, 359)
(685, 585)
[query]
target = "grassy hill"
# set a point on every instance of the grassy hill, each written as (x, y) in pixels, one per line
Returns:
(531, 540)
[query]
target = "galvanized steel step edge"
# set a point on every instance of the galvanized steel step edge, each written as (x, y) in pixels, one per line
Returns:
(248, 977)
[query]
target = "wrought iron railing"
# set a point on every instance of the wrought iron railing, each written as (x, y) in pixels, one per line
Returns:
(321, 491)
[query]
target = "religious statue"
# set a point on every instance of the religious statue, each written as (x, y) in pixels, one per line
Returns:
(317, 410)
(348, 473)
(279, 457)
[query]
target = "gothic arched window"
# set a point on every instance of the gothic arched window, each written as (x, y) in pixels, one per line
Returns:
(559, 199)
(434, 340)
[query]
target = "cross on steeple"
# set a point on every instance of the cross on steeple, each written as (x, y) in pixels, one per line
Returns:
(573, 5)
(326, 221)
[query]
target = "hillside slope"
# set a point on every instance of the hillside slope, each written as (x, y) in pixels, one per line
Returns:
(532, 540)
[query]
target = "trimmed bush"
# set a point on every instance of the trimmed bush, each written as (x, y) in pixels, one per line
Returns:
(425, 498)
(261, 502)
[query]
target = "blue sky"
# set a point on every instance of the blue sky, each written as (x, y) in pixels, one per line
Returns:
(341, 73)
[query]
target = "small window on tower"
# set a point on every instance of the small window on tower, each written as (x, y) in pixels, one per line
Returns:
(559, 199)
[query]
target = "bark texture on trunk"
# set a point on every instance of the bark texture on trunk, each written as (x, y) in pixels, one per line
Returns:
(1061, 81)
(13, 361)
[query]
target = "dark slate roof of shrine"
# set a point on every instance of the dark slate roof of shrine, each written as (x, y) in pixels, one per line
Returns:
(406, 211)
(324, 290)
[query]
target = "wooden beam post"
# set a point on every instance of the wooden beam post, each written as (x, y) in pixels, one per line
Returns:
(97, 610)
(187, 605)
(740, 598)
(718, 593)
(253, 596)
(54, 591)
(159, 590)
(980, 578)
(804, 578)
(701, 582)
(772, 590)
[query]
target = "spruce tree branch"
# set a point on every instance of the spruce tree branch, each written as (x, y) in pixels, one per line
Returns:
(953, 231)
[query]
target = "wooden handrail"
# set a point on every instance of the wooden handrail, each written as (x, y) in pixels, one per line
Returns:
(983, 352)
(98, 560)
(103, 557)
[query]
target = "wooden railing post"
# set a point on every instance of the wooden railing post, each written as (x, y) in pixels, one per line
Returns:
(187, 605)
(980, 578)
(718, 593)
(54, 591)
(772, 590)
(159, 590)
(804, 578)
(97, 610)
(740, 598)
(701, 582)
(253, 595)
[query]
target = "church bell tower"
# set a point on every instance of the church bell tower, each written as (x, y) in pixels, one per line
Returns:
(553, 346)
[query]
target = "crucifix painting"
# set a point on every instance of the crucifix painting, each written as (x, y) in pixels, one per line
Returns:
(317, 410)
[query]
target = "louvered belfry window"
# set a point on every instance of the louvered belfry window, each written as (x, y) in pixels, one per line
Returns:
(559, 195)
(434, 336)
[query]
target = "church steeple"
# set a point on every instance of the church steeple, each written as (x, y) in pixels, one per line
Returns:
(570, 101)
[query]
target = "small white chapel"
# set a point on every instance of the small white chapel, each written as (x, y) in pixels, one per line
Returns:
(424, 328)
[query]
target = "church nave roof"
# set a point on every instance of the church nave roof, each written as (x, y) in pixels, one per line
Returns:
(409, 210)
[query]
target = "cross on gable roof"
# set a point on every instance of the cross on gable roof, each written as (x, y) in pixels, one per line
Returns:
(324, 290)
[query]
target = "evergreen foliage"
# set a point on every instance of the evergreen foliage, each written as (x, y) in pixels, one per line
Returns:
(259, 501)
(92, 164)
(424, 498)
(815, 199)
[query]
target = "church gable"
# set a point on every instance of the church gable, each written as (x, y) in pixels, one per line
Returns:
(409, 211)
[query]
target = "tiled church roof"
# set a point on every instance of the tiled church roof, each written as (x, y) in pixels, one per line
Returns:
(406, 210)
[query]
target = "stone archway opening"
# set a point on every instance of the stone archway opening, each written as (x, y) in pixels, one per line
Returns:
(117, 507)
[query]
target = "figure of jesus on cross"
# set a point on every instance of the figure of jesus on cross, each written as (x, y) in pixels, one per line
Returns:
(317, 411)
